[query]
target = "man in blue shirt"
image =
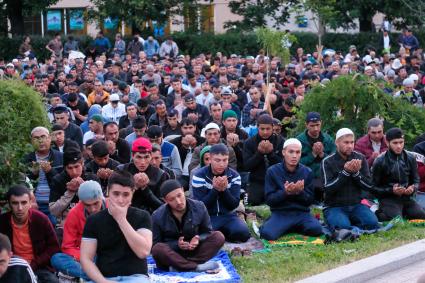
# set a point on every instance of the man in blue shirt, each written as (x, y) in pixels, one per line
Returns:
(289, 193)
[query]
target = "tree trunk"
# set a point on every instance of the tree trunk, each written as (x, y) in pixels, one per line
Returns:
(14, 13)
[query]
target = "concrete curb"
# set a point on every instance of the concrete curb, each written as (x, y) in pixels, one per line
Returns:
(374, 266)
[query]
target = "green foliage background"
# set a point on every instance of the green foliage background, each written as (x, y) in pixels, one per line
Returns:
(350, 101)
(21, 110)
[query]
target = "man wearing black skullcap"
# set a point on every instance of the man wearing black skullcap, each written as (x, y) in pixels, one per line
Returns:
(219, 188)
(396, 180)
(63, 195)
(260, 152)
(182, 234)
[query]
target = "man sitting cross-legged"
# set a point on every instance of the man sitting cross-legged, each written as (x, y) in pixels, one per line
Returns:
(91, 202)
(182, 233)
(289, 193)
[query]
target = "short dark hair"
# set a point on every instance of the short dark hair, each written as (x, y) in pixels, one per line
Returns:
(139, 122)
(5, 243)
(187, 121)
(121, 177)
(156, 148)
(108, 124)
(17, 190)
(100, 148)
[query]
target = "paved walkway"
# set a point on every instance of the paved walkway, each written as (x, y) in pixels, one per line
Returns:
(408, 274)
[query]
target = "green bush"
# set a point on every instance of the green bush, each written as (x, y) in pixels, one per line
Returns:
(350, 101)
(22, 110)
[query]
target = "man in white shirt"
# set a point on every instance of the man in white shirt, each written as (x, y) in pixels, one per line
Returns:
(114, 110)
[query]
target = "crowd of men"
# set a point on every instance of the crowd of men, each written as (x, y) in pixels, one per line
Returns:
(153, 152)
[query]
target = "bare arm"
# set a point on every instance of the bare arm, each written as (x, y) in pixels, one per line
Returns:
(140, 241)
(88, 252)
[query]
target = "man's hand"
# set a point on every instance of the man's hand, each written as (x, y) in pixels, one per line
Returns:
(374, 155)
(119, 213)
(141, 180)
(194, 243)
(409, 190)
(317, 149)
(262, 147)
(220, 183)
(193, 117)
(397, 190)
(112, 147)
(182, 244)
(268, 147)
(232, 139)
(74, 184)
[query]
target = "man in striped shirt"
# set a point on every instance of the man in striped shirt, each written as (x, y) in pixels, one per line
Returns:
(219, 187)
(13, 269)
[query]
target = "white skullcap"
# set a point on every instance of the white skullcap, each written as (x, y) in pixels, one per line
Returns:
(343, 132)
(368, 68)
(414, 77)
(408, 82)
(209, 127)
(292, 141)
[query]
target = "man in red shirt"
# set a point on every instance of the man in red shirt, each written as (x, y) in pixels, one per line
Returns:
(32, 235)
(91, 202)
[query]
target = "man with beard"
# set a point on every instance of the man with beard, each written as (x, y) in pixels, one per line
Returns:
(260, 152)
(289, 193)
(345, 175)
(182, 233)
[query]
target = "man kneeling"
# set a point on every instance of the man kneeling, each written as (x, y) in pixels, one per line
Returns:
(182, 233)
(119, 237)
(289, 193)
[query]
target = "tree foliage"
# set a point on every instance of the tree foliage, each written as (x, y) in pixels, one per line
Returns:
(255, 13)
(138, 13)
(22, 110)
(275, 43)
(15, 11)
(350, 101)
(342, 13)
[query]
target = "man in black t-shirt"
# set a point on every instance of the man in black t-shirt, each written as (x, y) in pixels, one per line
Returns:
(120, 237)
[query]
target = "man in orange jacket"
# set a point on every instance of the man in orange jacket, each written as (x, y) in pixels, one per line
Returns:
(91, 202)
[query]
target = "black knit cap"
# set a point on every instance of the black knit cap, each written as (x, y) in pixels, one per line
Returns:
(394, 133)
(265, 119)
(219, 149)
(71, 155)
(169, 186)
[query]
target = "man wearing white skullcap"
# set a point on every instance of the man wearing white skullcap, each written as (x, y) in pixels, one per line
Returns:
(409, 93)
(289, 192)
(345, 175)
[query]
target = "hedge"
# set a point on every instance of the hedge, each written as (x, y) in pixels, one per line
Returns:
(228, 43)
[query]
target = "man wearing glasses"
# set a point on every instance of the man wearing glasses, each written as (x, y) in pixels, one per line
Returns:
(44, 163)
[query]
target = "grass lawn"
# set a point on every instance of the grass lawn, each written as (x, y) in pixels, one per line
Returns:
(287, 264)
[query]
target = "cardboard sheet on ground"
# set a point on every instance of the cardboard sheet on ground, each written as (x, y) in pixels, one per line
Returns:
(227, 274)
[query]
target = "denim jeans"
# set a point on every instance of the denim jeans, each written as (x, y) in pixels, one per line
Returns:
(136, 278)
(345, 217)
(420, 199)
(68, 265)
(283, 222)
